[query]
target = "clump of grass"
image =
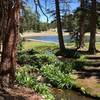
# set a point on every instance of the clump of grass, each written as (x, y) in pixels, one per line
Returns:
(25, 78)
(56, 77)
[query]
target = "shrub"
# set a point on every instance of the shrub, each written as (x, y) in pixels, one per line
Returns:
(23, 59)
(69, 53)
(56, 77)
(32, 52)
(33, 58)
(44, 90)
(24, 77)
(46, 58)
(28, 57)
(66, 67)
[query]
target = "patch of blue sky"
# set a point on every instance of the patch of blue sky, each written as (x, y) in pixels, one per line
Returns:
(73, 5)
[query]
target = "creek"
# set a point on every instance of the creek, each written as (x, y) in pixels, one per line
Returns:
(68, 95)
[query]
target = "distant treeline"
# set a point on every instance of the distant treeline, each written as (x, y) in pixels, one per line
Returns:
(30, 21)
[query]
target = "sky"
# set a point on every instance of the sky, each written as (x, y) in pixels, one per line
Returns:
(73, 5)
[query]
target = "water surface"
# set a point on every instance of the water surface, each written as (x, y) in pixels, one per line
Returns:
(53, 38)
(69, 95)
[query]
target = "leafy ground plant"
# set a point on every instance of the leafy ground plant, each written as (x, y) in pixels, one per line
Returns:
(56, 77)
(56, 72)
(25, 78)
(33, 58)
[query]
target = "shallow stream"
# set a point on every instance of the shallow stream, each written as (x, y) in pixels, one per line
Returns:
(69, 95)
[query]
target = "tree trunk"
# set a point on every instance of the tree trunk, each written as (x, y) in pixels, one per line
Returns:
(82, 19)
(8, 60)
(59, 27)
(93, 20)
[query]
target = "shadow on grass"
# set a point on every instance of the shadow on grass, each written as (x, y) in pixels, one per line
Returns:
(89, 73)
(86, 52)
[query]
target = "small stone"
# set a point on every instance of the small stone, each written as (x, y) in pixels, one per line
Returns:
(59, 57)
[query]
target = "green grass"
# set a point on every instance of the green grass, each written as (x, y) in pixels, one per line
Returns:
(86, 45)
(97, 45)
(39, 45)
(51, 46)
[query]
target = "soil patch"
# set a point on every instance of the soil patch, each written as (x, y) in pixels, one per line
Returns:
(89, 81)
(19, 93)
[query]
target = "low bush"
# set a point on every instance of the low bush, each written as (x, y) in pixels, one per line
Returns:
(32, 52)
(33, 58)
(44, 90)
(56, 72)
(46, 58)
(24, 77)
(27, 57)
(65, 67)
(56, 77)
(69, 53)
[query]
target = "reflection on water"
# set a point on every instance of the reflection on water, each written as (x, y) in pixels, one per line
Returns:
(55, 38)
(69, 95)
